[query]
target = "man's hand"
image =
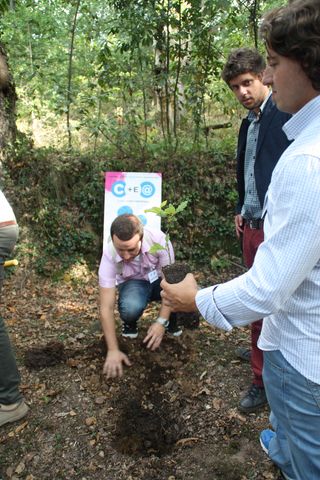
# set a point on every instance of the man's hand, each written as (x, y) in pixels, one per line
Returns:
(180, 297)
(239, 223)
(113, 364)
(154, 336)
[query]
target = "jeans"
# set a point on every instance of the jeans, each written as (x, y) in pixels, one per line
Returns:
(134, 296)
(295, 416)
(9, 374)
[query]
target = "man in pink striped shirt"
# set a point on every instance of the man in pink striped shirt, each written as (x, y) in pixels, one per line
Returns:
(127, 266)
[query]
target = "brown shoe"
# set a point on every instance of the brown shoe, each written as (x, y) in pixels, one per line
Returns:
(12, 413)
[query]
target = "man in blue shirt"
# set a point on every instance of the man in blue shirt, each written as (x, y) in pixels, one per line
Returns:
(261, 142)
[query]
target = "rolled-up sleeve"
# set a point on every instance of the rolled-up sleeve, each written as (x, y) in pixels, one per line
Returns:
(107, 272)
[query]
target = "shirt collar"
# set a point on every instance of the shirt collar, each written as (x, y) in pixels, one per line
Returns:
(253, 116)
(300, 120)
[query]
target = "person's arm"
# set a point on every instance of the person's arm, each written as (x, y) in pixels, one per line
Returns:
(156, 331)
(238, 220)
(113, 366)
(282, 262)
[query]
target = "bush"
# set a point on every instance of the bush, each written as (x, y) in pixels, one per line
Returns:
(60, 198)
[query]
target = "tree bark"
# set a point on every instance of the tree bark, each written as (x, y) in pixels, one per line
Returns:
(8, 97)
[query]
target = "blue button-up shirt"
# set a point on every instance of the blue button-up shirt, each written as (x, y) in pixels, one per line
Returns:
(283, 285)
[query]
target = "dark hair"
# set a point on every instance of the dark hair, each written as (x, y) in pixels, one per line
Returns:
(243, 60)
(293, 31)
(126, 226)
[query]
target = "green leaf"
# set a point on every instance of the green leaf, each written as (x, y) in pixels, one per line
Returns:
(155, 248)
(182, 206)
(156, 210)
(170, 210)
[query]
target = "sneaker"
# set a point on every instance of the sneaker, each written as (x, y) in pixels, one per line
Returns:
(12, 413)
(243, 353)
(173, 328)
(265, 437)
(129, 331)
(254, 399)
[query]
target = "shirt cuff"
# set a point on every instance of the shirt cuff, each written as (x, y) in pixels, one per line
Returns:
(207, 307)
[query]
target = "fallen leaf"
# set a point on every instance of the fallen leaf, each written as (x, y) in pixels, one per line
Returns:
(21, 427)
(20, 468)
(90, 421)
(185, 441)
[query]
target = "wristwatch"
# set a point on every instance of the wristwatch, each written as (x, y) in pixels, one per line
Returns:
(163, 321)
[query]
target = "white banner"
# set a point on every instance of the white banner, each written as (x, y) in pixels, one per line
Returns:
(131, 192)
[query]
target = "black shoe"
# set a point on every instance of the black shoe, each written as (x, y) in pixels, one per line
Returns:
(254, 399)
(173, 328)
(129, 331)
(243, 353)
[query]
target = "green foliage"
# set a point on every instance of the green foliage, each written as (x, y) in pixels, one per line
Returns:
(169, 213)
(140, 70)
(59, 200)
(145, 91)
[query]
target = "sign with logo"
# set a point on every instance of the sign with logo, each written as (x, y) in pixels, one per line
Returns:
(131, 192)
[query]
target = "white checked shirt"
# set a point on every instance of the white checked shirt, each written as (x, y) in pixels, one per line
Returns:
(283, 285)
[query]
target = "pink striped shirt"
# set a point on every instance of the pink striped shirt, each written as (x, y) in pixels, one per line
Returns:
(113, 270)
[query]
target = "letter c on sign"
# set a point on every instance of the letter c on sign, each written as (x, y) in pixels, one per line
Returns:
(118, 189)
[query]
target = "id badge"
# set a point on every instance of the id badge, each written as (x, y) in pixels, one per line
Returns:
(153, 276)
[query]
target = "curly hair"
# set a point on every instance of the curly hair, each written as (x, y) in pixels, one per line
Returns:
(243, 60)
(126, 226)
(293, 31)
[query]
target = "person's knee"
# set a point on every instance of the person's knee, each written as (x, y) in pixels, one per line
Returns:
(130, 309)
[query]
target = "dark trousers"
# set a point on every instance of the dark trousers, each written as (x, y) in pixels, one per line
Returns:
(9, 374)
(251, 241)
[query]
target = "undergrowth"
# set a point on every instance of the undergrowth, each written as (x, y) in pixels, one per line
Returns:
(59, 201)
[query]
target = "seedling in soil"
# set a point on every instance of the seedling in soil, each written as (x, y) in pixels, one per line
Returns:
(169, 213)
(174, 272)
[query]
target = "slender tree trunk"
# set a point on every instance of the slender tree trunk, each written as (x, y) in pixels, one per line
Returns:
(175, 91)
(98, 119)
(254, 21)
(8, 129)
(69, 96)
(33, 119)
(167, 78)
(145, 113)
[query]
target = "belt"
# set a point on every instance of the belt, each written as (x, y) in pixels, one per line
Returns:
(8, 223)
(254, 223)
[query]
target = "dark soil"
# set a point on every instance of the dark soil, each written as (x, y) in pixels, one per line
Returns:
(175, 273)
(172, 416)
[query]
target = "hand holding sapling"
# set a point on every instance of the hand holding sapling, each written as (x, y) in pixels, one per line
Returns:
(174, 272)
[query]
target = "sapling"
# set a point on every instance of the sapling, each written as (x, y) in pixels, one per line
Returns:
(174, 272)
(169, 213)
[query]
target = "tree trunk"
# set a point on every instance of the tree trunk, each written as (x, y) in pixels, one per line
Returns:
(69, 95)
(8, 129)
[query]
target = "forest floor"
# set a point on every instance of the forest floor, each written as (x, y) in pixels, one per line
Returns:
(172, 416)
